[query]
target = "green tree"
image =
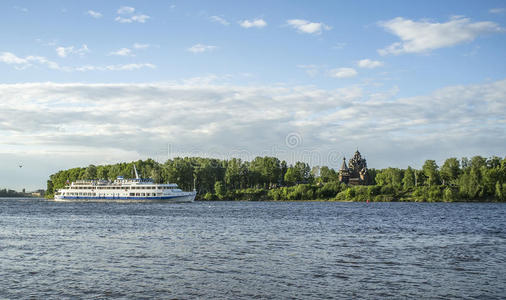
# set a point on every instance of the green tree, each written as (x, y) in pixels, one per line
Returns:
(267, 169)
(49, 188)
(284, 168)
(233, 173)
(180, 171)
(390, 176)
(292, 176)
(102, 172)
(328, 175)
(91, 172)
(408, 181)
(430, 170)
(500, 191)
(219, 190)
(304, 172)
(449, 195)
(450, 170)
(156, 175)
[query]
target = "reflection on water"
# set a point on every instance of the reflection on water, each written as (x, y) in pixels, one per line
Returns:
(305, 250)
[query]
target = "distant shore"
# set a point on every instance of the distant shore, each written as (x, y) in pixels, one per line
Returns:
(477, 179)
(8, 193)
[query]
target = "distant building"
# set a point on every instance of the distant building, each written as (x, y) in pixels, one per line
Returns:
(356, 172)
(38, 193)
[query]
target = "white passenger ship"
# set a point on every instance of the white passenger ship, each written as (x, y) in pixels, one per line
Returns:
(122, 189)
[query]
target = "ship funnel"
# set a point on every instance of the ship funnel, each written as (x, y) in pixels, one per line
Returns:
(136, 174)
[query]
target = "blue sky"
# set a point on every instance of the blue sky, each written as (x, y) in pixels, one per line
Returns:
(106, 81)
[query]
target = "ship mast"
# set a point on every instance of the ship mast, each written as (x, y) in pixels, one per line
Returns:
(136, 174)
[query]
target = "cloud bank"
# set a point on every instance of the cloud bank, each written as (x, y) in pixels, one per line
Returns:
(195, 118)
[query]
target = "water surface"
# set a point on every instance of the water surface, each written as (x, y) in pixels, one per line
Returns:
(244, 250)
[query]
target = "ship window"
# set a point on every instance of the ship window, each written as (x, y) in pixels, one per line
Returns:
(143, 194)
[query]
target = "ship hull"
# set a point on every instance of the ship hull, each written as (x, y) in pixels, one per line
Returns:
(190, 197)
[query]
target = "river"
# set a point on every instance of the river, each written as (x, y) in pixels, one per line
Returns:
(246, 250)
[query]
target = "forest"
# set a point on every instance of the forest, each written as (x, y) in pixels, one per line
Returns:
(4, 193)
(268, 178)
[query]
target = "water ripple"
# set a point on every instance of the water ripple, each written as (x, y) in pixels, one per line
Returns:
(244, 250)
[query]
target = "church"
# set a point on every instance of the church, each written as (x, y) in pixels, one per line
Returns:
(356, 172)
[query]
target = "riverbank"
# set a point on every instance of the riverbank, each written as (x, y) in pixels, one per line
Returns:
(343, 193)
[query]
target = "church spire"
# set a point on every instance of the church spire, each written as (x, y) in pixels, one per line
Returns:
(343, 166)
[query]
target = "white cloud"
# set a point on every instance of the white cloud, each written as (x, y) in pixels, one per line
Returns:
(257, 23)
(10, 58)
(21, 63)
(220, 20)
(424, 36)
(369, 64)
(132, 19)
(65, 51)
(125, 10)
(94, 14)
(141, 46)
(125, 67)
(304, 26)
(122, 52)
(199, 48)
(497, 10)
(343, 73)
(140, 18)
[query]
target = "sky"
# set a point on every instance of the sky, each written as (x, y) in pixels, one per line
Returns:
(101, 82)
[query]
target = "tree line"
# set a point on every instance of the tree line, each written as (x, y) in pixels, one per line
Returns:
(12, 193)
(268, 178)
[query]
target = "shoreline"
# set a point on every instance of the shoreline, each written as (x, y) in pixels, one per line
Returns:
(245, 200)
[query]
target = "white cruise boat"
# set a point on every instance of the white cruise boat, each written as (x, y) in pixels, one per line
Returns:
(122, 189)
